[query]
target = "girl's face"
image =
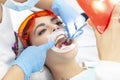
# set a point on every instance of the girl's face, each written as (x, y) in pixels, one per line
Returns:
(45, 26)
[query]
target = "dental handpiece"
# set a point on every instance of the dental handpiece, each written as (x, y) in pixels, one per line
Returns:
(74, 28)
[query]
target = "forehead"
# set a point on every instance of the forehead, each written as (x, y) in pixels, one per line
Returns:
(44, 19)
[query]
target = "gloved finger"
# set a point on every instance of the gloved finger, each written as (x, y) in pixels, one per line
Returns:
(47, 45)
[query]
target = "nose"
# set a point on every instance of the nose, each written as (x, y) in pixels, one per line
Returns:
(55, 27)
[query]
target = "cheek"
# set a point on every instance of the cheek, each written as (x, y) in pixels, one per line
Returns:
(39, 40)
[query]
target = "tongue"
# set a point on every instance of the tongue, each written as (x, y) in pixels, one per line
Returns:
(68, 42)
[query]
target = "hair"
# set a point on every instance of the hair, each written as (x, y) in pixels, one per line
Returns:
(28, 24)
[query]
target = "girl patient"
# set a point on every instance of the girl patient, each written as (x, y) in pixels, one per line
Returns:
(43, 26)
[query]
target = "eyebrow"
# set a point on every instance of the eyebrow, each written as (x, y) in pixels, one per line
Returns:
(43, 24)
(53, 18)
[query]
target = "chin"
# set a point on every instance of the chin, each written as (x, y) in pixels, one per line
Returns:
(62, 54)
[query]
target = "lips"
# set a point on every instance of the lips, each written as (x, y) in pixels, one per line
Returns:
(62, 40)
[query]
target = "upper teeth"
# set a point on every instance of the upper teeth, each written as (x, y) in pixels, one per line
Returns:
(59, 37)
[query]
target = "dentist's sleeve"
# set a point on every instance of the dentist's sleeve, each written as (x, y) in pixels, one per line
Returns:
(107, 70)
(7, 39)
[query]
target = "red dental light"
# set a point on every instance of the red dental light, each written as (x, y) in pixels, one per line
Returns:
(99, 11)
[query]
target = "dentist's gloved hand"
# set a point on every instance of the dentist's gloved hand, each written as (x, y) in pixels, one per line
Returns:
(33, 58)
(73, 20)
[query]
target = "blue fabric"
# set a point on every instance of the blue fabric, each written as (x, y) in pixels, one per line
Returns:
(32, 58)
(21, 6)
(72, 19)
(90, 75)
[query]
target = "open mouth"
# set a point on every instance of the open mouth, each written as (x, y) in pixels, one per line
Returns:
(62, 40)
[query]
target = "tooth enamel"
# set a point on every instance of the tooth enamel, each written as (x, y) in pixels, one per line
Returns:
(59, 37)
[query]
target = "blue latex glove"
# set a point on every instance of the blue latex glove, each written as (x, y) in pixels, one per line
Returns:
(33, 58)
(73, 20)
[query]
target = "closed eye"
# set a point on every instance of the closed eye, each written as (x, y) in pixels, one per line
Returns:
(42, 32)
(59, 23)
